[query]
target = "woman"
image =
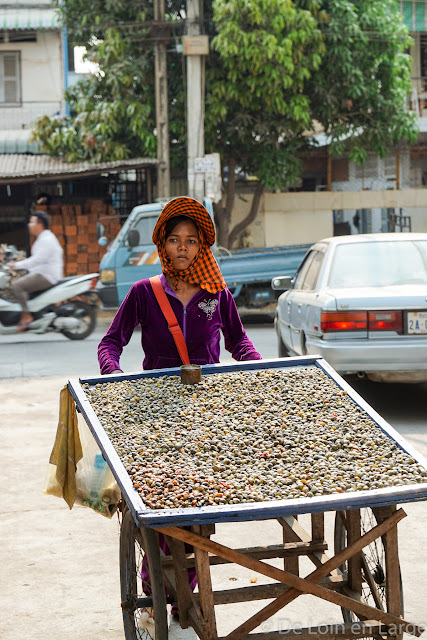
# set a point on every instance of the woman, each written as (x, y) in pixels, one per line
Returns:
(201, 302)
(196, 291)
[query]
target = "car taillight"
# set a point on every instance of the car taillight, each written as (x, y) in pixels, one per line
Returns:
(385, 321)
(343, 321)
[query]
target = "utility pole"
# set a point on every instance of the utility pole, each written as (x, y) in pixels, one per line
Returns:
(195, 99)
(162, 118)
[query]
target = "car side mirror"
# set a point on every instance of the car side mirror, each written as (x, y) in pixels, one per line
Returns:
(133, 238)
(281, 283)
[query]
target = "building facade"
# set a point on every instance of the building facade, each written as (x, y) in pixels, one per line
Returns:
(32, 73)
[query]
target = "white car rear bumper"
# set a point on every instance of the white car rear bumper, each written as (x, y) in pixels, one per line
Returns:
(370, 355)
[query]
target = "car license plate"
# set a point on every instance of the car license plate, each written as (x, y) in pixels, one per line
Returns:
(417, 322)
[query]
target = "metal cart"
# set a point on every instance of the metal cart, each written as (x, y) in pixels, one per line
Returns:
(363, 577)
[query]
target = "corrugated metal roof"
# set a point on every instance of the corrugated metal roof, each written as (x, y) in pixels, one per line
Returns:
(28, 18)
(15, 168)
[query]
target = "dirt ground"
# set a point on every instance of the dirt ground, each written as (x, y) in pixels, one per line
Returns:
(60, 570)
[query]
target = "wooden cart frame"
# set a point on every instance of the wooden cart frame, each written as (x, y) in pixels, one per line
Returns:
(337, 579)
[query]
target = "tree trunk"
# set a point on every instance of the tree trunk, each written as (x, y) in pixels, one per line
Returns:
(222, 213)
(234, 233)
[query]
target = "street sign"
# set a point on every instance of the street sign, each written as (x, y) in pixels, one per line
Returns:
(205, 164)
(196, 45)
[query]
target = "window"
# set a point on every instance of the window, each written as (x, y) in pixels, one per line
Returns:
(313, 271)
(379, 264)
(18, 36)
(423, 60)
(302, 271)
(308, 275)
(145, 227)
(10, 81)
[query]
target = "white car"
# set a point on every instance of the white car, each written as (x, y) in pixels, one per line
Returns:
(360, 302)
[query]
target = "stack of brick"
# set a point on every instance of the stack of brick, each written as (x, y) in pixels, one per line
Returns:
(75, 227)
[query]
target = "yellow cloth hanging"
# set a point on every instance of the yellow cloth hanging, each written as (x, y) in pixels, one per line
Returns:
(67, 449)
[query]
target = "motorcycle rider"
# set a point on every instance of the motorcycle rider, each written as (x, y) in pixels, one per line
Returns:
(45, 265)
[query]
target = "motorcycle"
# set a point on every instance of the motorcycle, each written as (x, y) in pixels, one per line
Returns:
(68, 307)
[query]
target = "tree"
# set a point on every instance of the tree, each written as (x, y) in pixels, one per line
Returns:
(277, 69)
(283, 66)
(112, 113)
(364, 108)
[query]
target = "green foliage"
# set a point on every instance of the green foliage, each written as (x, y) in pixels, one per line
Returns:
(281, 67)
(264, 53)
(360, 91)
(277, 69)
(112, 114)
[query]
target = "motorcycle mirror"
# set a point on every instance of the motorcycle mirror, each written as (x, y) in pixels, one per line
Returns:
(100, 230)
(133, 238)
(103, 241)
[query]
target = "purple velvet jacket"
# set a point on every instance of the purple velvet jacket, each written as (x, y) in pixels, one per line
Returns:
(201, 322)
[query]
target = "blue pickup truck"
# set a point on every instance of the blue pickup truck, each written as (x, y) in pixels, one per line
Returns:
(131, 256)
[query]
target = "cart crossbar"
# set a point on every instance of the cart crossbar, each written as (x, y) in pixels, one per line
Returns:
(299, 585)
(287, 550)
(353, 630)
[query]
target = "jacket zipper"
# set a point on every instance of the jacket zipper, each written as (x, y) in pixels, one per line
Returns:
(184, 323)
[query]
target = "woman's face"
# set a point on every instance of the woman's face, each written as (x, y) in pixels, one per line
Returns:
(182, 245)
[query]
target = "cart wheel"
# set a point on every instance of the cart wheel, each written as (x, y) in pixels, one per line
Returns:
(375, 559)
(135, 542)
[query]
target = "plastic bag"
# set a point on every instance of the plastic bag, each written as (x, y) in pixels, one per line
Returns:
(95, 483)
(96, 486)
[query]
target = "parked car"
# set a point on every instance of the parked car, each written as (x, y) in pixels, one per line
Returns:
(360, 302)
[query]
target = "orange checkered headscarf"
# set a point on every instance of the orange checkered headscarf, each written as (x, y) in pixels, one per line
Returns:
(204, 269)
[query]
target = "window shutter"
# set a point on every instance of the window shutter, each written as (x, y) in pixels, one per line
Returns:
(9, 77)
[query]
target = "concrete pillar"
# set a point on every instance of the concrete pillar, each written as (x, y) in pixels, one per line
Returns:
(195, 105)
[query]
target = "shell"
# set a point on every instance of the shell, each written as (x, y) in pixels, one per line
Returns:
(239, 437)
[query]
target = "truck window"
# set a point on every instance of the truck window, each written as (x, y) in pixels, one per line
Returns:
(145, 227)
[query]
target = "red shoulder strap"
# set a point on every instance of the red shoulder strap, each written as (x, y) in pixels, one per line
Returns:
(174, 327)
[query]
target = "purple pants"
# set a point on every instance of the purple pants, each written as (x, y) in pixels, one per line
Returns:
(192, 578)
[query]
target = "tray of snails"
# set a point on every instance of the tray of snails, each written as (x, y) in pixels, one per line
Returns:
(250, 441)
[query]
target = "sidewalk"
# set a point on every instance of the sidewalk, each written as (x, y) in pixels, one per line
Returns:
(60, 570)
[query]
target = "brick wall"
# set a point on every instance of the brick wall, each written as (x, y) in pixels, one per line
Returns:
(75, 227)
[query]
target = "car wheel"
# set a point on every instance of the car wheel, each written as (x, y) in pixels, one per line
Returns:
(281, 349)
(304, 351)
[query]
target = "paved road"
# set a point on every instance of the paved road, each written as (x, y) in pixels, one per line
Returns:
(31, 355)
(60, 574)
